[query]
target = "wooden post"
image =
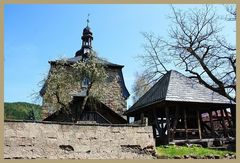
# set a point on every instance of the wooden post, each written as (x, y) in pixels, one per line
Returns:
(160, 132)
(128, 119)
(185, 122)
(154, 131)
(150, 119)
(199, 124)
(233, 116)
(228, 118)
(142, 118)
(211, 122)
(175, 122)
(162, 121)
(223, 123)
(167, 123)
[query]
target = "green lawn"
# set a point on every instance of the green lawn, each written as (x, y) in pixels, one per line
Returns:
(172, 150)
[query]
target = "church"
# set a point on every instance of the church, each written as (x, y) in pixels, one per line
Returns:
(109, 109)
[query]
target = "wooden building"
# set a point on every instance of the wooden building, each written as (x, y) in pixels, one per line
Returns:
(94, 113)
(113, 104)
(182, 110)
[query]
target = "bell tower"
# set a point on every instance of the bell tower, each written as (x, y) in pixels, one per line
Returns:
(87, 37)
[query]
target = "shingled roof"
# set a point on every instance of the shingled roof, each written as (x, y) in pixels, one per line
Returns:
(176, 87)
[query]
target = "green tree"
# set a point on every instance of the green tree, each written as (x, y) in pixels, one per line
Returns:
(21, 111)
(66, 79)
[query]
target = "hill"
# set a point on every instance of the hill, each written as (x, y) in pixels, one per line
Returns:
(22, 111)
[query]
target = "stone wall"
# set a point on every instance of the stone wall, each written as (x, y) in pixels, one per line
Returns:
(29, 140)
(112, 95)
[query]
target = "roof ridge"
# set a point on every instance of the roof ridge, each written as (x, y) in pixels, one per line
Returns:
(170, 74)
(76, 58)
(153, 87)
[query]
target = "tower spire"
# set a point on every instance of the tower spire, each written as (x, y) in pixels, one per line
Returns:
(88, 19)
(87, 37)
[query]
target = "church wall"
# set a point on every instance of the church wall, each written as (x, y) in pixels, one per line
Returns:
(114, 97)
(28, 140)
(111, 97)
(49, 104)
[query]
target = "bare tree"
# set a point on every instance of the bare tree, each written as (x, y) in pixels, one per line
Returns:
(195, 45)
(141, 85)
(232, 12)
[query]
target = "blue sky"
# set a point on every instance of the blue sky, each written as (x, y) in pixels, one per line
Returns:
(35, 34)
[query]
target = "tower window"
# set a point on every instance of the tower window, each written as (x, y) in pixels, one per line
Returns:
(85, 82)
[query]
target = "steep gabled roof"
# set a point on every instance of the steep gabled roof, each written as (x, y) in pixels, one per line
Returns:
(176, 87)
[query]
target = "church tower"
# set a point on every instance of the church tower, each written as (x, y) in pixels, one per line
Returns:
(87, 37)
(113, 103)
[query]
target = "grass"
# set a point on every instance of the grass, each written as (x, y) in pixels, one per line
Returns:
(172, 151)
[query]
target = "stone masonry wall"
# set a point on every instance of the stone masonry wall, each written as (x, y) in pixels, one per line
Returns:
(29, 140)
(111, 97)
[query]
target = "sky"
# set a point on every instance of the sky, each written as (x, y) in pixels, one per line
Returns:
(35, 34)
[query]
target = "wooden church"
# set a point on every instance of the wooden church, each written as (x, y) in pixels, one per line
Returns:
(109, 110)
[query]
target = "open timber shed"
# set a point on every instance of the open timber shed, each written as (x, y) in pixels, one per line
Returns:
(182, 110)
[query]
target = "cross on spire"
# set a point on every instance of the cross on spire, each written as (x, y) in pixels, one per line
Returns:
(88, 19)
(87, 37)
